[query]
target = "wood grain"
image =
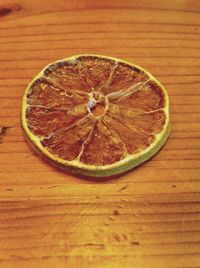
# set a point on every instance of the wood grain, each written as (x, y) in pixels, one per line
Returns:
(149, 217)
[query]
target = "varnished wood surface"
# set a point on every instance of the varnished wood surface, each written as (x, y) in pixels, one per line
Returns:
(149, 217)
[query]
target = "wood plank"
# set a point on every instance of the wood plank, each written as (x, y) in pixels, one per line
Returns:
(148, 217)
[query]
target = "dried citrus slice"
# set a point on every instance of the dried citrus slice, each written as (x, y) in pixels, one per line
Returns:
(95, 115)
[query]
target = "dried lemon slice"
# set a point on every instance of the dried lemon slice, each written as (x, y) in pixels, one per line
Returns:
(95, 115)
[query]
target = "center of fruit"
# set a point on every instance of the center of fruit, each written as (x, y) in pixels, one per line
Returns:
(97, 104)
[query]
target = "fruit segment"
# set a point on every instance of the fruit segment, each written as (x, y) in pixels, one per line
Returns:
(148, 98)
(51, 108)
(150, 122)
(97, 71)
(52, 119)
(123, 76)
(67, 142)
(45, 93)
(134, 139)
(104, 147)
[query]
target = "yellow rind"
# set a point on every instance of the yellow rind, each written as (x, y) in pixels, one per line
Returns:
(119, 167)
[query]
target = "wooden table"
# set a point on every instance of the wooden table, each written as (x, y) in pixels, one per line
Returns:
(149, 217)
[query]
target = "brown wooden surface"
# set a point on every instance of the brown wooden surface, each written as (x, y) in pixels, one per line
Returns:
(149, 217)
